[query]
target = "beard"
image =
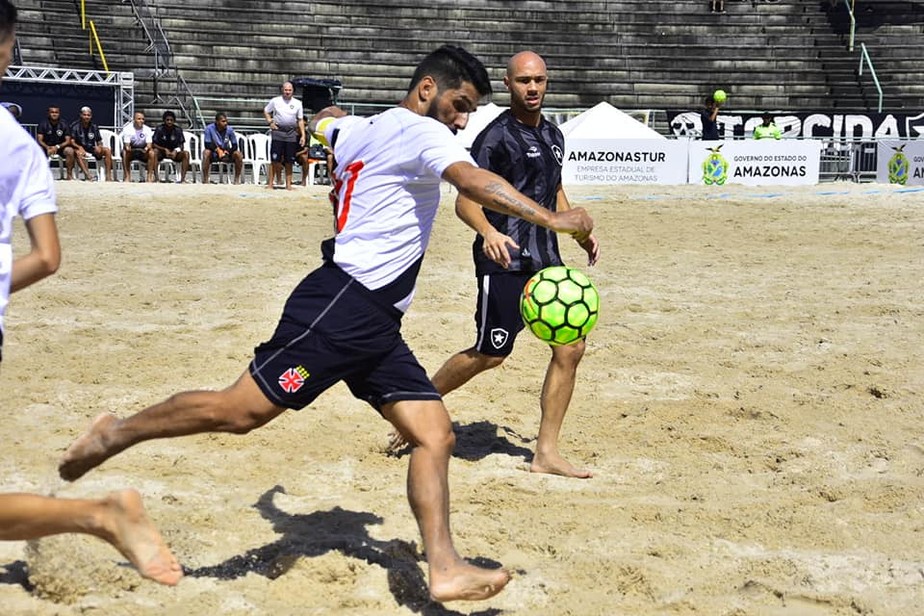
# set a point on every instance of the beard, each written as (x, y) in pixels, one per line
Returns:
(433, 112)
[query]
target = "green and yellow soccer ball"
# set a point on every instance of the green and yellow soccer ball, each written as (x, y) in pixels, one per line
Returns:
(559, 305)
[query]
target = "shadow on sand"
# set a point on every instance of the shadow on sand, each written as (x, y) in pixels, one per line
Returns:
(340, 530)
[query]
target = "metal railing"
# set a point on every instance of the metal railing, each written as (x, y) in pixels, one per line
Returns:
(164, 66)
(864, 53)
(864, 56)
(94, 38)
(844, 158)
(853, 23)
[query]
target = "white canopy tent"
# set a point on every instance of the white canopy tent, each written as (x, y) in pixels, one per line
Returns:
(603, 121)
(477, 122)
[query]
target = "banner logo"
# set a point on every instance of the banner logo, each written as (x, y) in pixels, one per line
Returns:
(715, 167)
(898, 166)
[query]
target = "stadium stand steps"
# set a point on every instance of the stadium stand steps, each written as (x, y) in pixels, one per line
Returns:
(786, 55)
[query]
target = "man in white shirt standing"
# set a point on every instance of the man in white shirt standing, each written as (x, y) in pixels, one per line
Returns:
(136, 140)
(286, 118)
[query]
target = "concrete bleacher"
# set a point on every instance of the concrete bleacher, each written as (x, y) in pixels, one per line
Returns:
(635, 54)
(892, 32)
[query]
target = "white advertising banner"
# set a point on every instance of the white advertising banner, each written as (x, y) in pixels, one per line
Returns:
(790, 162)
(900, 162)
(625, 161)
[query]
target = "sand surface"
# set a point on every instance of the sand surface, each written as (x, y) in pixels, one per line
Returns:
(750, 404)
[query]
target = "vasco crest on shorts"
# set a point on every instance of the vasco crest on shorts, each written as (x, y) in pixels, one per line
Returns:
(292, 379)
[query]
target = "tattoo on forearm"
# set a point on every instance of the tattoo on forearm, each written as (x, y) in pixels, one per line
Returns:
(502, 198)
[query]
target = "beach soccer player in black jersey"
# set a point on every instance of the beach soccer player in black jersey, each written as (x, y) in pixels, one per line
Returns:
(527, 150)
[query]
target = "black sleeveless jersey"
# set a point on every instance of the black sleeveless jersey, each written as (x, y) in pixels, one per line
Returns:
(530, 159)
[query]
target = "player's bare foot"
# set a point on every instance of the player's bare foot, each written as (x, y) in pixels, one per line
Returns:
(465, 582)
(132, 533)
(556, 465)
(88, 451)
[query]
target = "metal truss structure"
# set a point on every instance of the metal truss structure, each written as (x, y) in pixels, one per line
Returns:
(122, 85)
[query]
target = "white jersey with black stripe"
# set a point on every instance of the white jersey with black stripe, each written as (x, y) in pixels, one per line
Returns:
(388, 174)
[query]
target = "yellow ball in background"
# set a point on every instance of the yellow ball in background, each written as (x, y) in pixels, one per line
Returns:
(720, 96)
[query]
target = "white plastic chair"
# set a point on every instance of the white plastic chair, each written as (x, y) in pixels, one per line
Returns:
(257, 155)
(56, 160)
(193, 145)
(111, 140)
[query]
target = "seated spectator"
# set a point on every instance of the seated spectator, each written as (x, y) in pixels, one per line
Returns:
(767, 130)
(313, 152)
(54, 136)
(13, 108)
(168, 142)
(87, 141)
(137, 140)
(221, 146)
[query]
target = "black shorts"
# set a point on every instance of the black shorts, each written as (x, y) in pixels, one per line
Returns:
(497, 316)
(138, 154)
(334, 329)
(283, 151)
(62, 149)
(215, 158)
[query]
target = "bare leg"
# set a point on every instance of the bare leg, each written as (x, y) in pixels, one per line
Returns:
(119, 519)
(456, 372)
(426, 425)
(238, 167)
(69, 162)
(461, 368)
(107, 157)
(556, 395)
(152, 167)
(238, 409)
(126, 166)
(82, 162)
(288, 176)
(275, 172)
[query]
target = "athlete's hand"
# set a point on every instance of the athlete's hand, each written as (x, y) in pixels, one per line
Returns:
(591, 247)
(495, 247)
(575, 221)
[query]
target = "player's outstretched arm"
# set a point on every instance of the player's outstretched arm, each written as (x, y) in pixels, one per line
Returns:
(589, 243)
(495, 244)
(43, 259)
(495, 193)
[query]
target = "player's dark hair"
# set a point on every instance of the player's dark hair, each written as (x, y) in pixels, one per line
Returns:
(220, 115)
(168, 114)
(449, 66)
(7, 19)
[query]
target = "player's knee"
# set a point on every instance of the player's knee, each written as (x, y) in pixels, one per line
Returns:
(570, 353)
(229, 415)
(437, 438)
(494, 361)
(445, 439)
(488, 362)
(242, 421)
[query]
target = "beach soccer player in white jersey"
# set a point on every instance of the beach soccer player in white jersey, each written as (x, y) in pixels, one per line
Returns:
(342, 322)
